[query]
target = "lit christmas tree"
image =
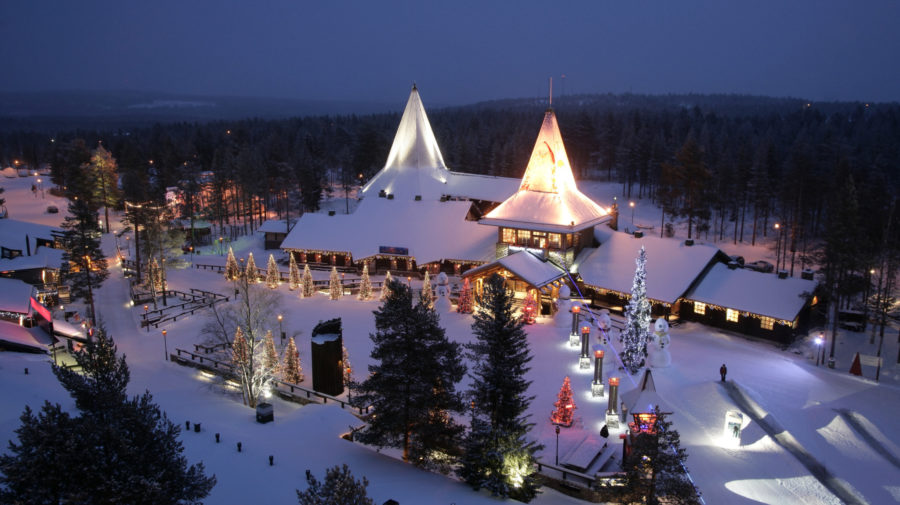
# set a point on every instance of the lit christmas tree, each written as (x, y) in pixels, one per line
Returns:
(251, 271)
(232, 270)
(529, 308)
(365, 285)
(347, 368)
(154, 277)
(292, 370)
(307, 283)
(636, 333)
(270, 355)
(294, 275)
(272, 277)
(565, 406)
(335, 289)
(427, 296)
(464, 304)
(384, 287)
(240, 349)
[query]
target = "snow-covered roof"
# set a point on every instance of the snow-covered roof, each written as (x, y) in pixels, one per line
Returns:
(644, 397)
(12, 233)
(19, 336)
(526, 266)
(45, 257)
(480, 187)
(414, 165)
(430, 230)
(754, 292)
(274, 226)
(548, 198)
(15, 296)
(672, 266)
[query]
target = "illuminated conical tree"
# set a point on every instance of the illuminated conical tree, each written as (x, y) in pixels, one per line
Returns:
(427, 297)
(637, 318)
(232, 270)
(308, 289)
(385, 287)
(365, 285)
(346, 367)
(529, 307)
(154, 276)
(565, 405)
(272, 277)
(292, 370)
(251, 271)
(240, 349)
(294, 274)
(464, 304)
(270, 355)
(335, 289)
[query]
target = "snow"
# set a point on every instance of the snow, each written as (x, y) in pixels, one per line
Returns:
(754, 292)
(45, 257)
(480, 187)
(526, 266)
(34, 338)
(15, 296)
(273, 226)
(13, 232)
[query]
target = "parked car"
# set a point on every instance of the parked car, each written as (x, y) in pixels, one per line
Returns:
(760, 266)
(737, 259)
(51, 209)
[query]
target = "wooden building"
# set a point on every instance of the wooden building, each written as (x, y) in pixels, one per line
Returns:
(525, 272)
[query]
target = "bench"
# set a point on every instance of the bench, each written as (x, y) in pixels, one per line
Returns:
(583, 455)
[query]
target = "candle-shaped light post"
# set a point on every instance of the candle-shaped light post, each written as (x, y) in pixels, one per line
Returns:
(573, 336)
(585, 361)
(165, 345)
(597, 384)
(612, 416)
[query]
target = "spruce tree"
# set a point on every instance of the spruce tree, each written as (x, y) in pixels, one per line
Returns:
(292, 369)
(308, 286)
(272, 276)
(81, 241)
(412, 385)
(270, 355)
(339, 488)
(294, 274)
(103, 171)
(251, 272)
(464, 304)
(498, 455)
(384, 287)
(637, 319)
(427, 295)
(365, 284)
(232, 270)
(335, 288)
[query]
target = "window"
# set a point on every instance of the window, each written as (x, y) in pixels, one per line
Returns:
(539, 239)
(524, 237)
(555, 240)
(731, 315)
(766, 323)
(699, 308)
(509, 236)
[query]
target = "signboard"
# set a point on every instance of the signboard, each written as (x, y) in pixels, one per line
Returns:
(399, 251)
(734, 420)
(867, 360)
(40, 309)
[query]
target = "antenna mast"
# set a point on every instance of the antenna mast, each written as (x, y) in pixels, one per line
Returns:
(551, 92)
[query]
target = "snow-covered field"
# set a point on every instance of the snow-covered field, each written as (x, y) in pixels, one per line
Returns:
(808, 402)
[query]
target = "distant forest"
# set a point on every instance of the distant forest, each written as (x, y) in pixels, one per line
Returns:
(730, 165)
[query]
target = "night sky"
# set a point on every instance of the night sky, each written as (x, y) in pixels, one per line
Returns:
(457, 51)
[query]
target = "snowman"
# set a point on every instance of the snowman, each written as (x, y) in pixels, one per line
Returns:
(605, 325)
(658, 348)
(442, 303)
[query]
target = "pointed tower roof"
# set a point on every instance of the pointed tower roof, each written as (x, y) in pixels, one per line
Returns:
(644, 397)
(548, 199)
(415, 165)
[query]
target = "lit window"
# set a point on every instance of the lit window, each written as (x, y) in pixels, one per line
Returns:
(509, 236)
(699, 308)
(731, 315)
(524, 237)
(555, 240)
(766, 323)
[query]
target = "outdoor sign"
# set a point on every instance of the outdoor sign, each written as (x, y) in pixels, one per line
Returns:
(734, 420)
(399, 251)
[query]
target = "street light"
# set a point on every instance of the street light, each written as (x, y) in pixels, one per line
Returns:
(165, 345)
(557, 445)
(281, 328)
(631, 204)
(819, 349)
(777, 245)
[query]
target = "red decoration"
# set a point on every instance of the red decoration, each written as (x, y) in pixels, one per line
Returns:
(464, 305)
(856, 367)
(565, 406)
(529, 308)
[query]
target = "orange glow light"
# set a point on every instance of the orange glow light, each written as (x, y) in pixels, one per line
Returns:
(598, 354)
(613, 381)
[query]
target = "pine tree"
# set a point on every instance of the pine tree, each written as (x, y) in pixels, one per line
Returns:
(385, 289)
(271, 355)
(292, 370)
(294, 274)
(339, 488)
(251, 272)
(412, 384)
(103, 170)
(565, 405)
(335, 288)
(637, 319)
(346, 367)
(232, 270)
(464, 304)
(365, 285)
(240, 350)
(498, 455)
(308, 286)
(427, 295)
(82, 254)
(272, 276)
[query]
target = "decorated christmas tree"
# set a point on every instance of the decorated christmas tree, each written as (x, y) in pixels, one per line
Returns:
(637, 319)
(251, 271)
(464, 304)
(365, 285)
(232, 270)
(335, 289)
(294, 274)
(272, 277)
(427, 297)
(154, 276)
(292, 370)
(307, 283)
(385, 289)
(271, 355)
(565, 406)
(529, 308)
(347, 368)
(240, 349)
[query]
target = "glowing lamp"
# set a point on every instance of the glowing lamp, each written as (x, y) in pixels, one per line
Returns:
(598, 354)
(613, 381)
(585, 329)
(576, 309)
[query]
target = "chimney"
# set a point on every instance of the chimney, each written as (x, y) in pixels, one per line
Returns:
(806, 274)
(732, 265)
(330, 212)
(418, 198)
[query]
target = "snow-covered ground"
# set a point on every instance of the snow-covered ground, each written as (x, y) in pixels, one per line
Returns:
(808, 402)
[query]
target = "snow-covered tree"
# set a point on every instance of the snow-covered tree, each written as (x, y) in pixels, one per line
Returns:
(292, 370)
(270, 355)
(294, 274)
(365, 285)
(154, 277)
(339, 488)
(637, 319)
(347, 368)
(565, 405)
(251, 273)
(232, 270)
(307, 284)
(335, 288)
(498, 455)
(427, 295)
(385, 289)
(272, 276)
(82, 253)
(464, 304)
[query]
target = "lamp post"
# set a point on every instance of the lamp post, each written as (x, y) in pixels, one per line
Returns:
(221, 246)
(777, 244)
(165, 345)
(557, 445)
(146, 318)
(281, 328)
(819, 348)
(584, 361)
(597, 384)
(631, 204)
(573, 335)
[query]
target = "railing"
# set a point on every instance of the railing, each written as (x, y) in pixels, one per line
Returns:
(196, 300)
(284, 276)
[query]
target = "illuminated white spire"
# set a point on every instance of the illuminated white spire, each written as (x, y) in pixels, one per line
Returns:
(414, 165)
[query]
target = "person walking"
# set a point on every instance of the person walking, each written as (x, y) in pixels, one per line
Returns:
(722, 371)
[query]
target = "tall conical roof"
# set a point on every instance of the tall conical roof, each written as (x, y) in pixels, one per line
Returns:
(548, 198)
(415, 165)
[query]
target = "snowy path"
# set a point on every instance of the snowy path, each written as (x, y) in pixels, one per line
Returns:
(853, 420)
